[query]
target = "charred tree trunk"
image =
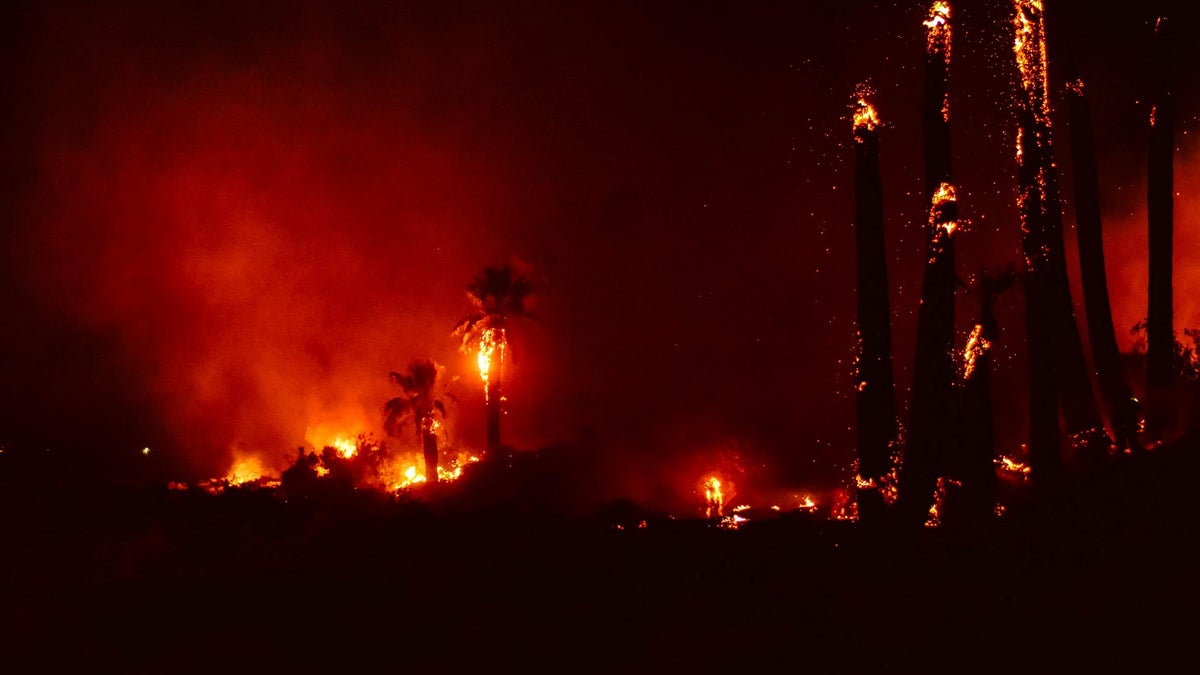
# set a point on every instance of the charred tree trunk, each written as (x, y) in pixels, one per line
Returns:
(1045, 458)
(977, 469)
(1160, 333)
(876, 400)
(1106, 355)
(932, 413)
(1055, 346)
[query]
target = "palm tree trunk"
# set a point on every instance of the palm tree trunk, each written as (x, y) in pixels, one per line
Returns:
(932, 412)
(876, 400)
(1114, 388)
(494, 410)
(430, 445)
(1160, 334)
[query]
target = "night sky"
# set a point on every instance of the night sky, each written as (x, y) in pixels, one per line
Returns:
(225, 222)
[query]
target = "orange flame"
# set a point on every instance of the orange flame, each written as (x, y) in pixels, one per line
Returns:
(865, 117)
(491, 340)
(976, 347)
(937, 35)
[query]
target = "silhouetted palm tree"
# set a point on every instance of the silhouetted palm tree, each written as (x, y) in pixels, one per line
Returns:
(418, 405)
(501, 293)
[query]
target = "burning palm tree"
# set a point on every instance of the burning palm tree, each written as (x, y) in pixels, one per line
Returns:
(876, 400)
(501, 293)
(418, 406)
(931, 412)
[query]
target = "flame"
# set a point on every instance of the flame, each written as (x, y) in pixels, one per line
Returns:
(714, 498)
(977, 346)
(806, 503)
(944, 226)
(865, 117)
(245, 469)
(490, 340)
(345, 447)
(1029, 45)
(937, 35)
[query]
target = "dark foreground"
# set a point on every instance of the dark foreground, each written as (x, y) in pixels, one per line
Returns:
(114, 581)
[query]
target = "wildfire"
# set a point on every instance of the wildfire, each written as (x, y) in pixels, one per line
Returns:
(490, 340)
(977, 346)
(714, 498)
(414, 474)
(806, 503)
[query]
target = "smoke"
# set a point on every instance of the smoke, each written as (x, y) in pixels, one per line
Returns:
(1125, 250)
(268, 240)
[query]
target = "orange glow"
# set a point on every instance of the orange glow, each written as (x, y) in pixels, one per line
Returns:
(245, 469)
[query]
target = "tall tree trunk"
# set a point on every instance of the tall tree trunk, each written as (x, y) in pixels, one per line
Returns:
(1045, 457)
(1160, 332)
(1054, 340)
(876, 400)
(977, 470)
(430, 445)
(1106, 355)
(495, 400)
(932, 413)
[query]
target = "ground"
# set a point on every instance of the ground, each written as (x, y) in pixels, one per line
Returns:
(116, 579)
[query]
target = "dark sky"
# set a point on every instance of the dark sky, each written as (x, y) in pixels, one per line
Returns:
(225, 222)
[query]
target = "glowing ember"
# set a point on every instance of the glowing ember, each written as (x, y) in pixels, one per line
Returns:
(731, 522)
(976, 347)
(806, 503)
(937, 34)
(1009, 465)
(943, 216)
(714, 499)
